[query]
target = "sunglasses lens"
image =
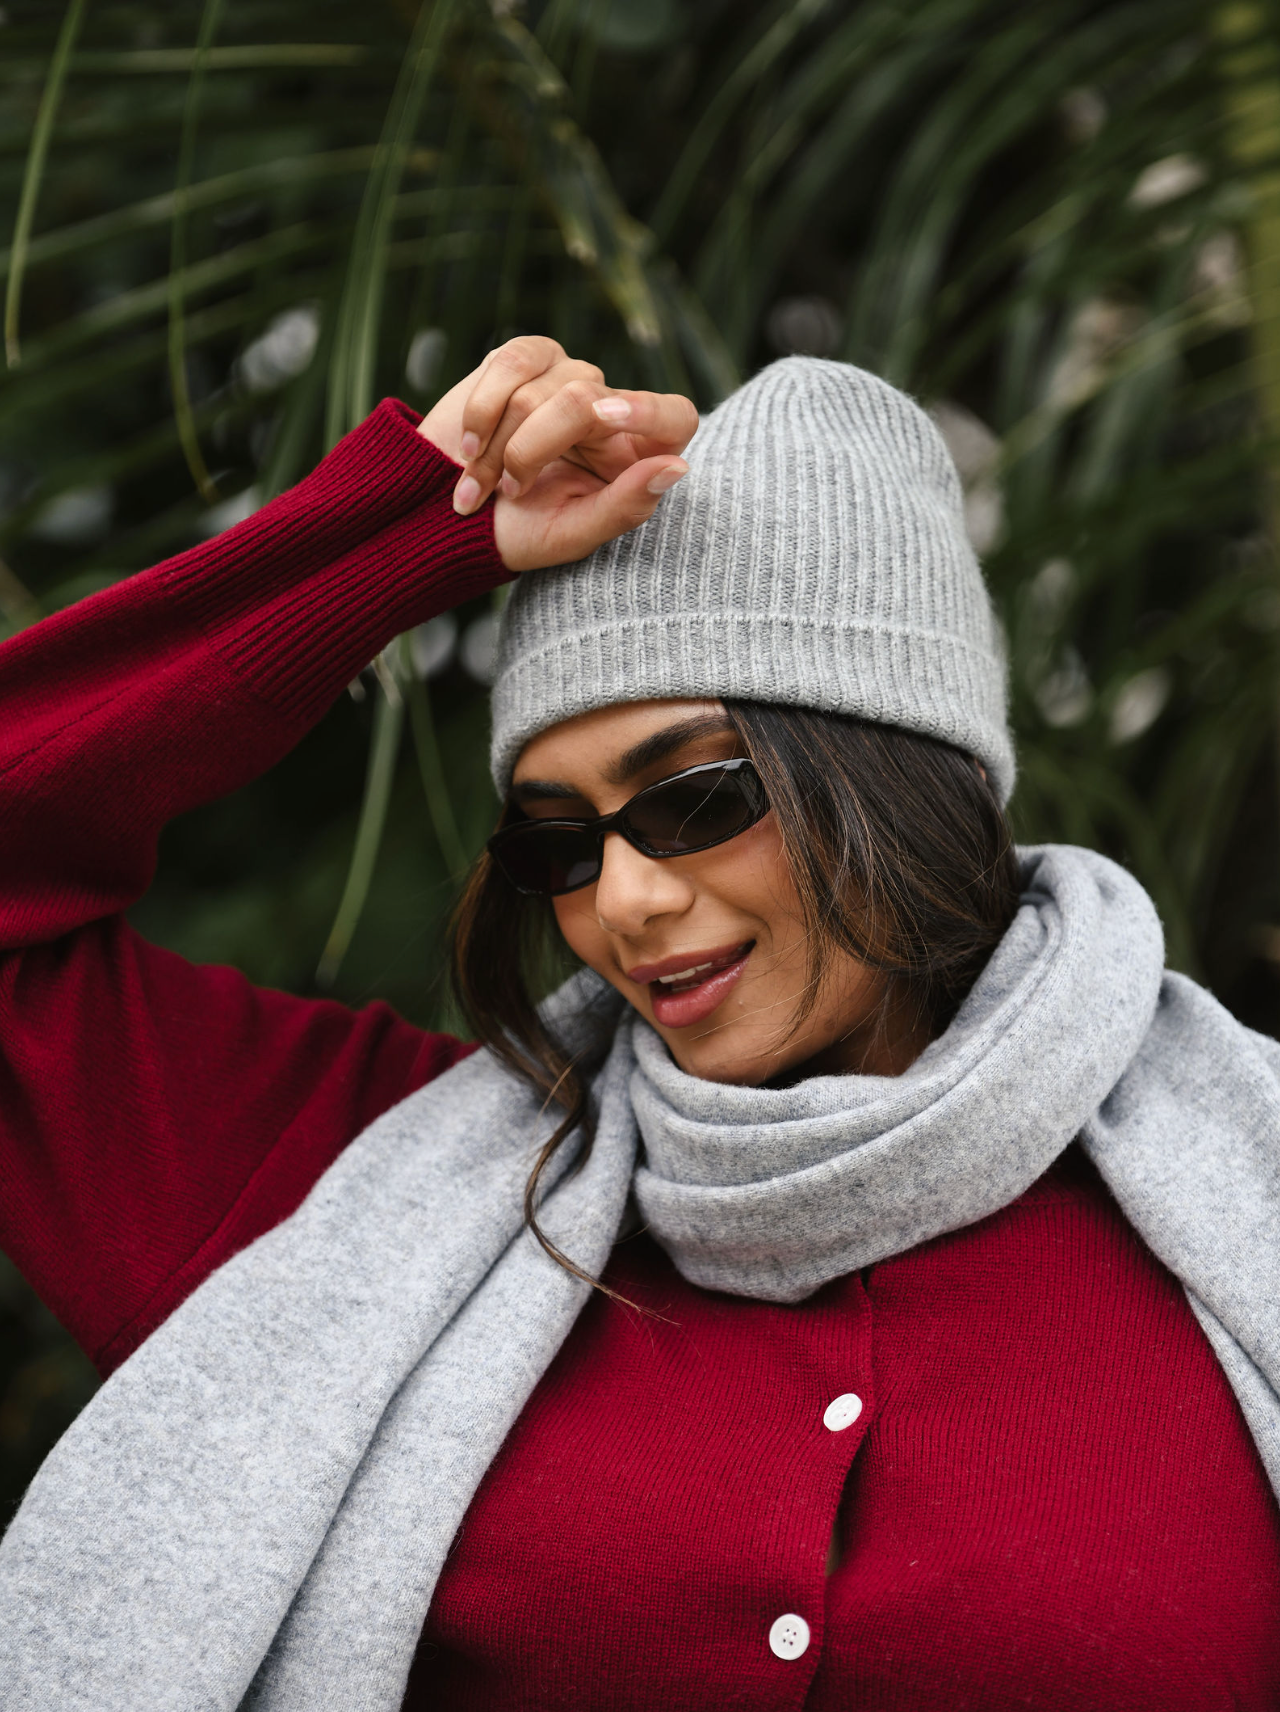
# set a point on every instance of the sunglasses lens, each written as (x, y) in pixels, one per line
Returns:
(695, 811)
(549, 859)
(692, 811)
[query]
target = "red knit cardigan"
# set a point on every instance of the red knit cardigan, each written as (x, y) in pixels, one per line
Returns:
(1039, 1490)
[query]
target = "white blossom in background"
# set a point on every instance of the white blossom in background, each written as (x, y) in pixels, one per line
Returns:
(1097, 331)
(230, 512)
(478, 649)
(1056, 675)
(804, 326)
(1049, 593)
(425, 355)
(431, 645)
(1139, 703)
(1084, 113)
(1065, 695)
(1166, 180)
(1218, 278)
(975, 451)
(282, 352)
(75, 518)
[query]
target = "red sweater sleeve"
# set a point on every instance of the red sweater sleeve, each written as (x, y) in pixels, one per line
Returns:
(156, 1116)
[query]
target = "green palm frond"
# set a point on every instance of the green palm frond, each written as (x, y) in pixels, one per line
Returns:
(1060, 220)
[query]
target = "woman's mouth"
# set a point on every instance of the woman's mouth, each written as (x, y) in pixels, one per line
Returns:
(683, 993)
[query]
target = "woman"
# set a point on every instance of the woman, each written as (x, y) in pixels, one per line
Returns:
(935, 1350)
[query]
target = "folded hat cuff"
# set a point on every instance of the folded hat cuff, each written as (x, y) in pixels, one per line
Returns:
(936, 684)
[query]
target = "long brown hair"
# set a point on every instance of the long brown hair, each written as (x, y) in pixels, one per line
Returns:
(900, 853)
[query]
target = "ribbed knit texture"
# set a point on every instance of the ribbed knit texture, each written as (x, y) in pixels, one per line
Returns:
(266, 1492)
(1028, 1399)
(815, 555)
(156, 1115)
(1049, 1500)
(378, 508)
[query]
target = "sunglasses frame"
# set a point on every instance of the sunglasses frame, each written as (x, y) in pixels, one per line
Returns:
(600, 827)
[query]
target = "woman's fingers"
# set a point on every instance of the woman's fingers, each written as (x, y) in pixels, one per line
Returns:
(566, 389)
(462, 422)
(504, 371)
(581, 415)
(561, 421)
(550, 528)
(530, 405)
(656, 421)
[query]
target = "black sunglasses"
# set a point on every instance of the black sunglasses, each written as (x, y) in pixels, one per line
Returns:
(690, 811)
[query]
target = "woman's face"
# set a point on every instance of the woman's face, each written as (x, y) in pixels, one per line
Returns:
(729, 914)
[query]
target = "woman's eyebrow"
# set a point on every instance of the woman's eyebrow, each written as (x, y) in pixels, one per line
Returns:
(659, 744)
(543, 790)
(656, 747)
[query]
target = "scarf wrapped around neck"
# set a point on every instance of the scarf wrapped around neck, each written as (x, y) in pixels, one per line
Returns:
(255, 1508)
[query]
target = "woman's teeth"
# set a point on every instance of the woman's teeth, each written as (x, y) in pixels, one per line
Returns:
(690, 995)
(697, 973)
(685, 974)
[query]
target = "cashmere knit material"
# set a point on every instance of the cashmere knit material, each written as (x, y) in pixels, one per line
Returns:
(290, 1455)
(1049, 1501)
(815, 555)
(158, 1115)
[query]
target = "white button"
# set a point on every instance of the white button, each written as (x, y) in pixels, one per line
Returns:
(789, 1636)
(842, 1412)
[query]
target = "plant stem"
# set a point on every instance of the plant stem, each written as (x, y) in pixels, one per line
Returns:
(431, 769)
(187, 435)
(388, 720)
(33, 175)
(1251, 87)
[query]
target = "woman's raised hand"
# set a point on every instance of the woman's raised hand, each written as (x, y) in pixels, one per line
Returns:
(574, 462)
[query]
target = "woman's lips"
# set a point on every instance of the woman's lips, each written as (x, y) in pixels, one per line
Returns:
(711, 978)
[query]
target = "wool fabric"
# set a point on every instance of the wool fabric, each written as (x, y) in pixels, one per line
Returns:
(815, 555)
(1049, 1501)
(255, 1508)
(123, 1185)
(157, 1115)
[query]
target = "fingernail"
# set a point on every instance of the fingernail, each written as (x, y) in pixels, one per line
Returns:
(668, 477)
(612, 409)
(509, 486)
(466, 496)
(470, 446)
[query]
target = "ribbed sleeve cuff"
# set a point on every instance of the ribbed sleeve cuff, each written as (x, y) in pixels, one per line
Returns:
(302, 595)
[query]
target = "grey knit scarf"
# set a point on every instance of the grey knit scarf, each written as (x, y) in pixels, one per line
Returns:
(254, 1510)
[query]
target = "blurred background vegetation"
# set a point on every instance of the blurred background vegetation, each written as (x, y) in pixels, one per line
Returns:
(235, 225)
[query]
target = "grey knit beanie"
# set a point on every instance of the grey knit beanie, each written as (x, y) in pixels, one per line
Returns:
(815, 555)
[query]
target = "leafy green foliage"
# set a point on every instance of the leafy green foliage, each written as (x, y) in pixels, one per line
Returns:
(238, 225)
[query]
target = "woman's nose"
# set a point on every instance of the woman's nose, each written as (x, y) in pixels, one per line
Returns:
(634, 888)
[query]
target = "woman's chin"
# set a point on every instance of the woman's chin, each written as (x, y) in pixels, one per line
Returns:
(719, 1058)
(748, 1059)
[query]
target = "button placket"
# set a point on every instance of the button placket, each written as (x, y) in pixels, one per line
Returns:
(848, 1410)
(831, 1448)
